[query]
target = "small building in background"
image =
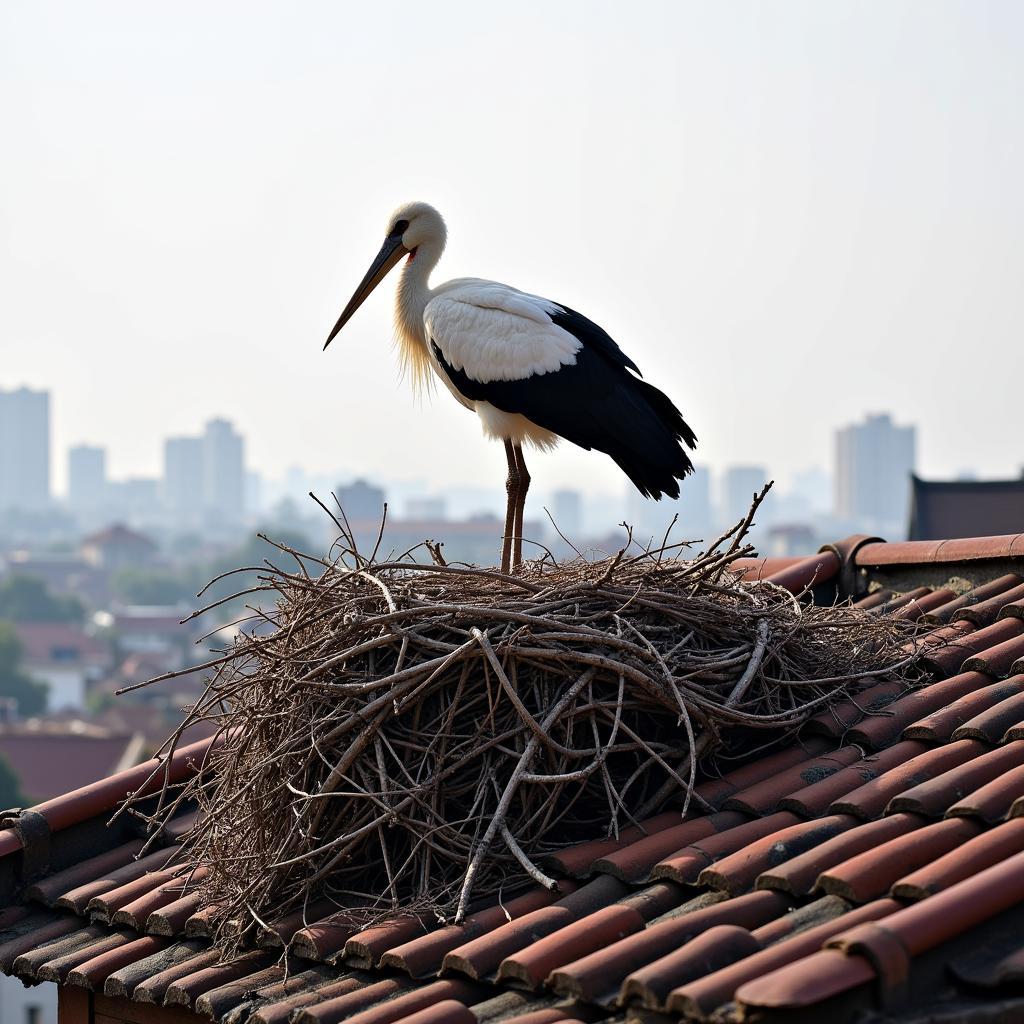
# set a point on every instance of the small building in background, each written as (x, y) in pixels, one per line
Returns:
(118, 547)
(49, 756)
(941, 509)
(65, 657)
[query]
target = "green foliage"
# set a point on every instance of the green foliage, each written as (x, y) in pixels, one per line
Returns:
(10, 787)
(30, 694)
(151, 586)
(251, 556)
(27, 599)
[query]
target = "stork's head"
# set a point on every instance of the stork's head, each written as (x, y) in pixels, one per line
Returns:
(414, 229)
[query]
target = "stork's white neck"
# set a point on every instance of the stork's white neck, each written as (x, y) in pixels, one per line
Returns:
(411, 298)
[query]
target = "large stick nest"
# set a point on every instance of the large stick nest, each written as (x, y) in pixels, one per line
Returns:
(401, 735)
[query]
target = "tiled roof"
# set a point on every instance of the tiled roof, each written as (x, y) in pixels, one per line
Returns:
(875, 863)
(57, 644)
(118, 533)
(48, 756)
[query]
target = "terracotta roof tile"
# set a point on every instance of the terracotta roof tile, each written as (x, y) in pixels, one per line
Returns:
(869, 800)
(913, 930)
(700, 997)
(717, 790)
(947, 612)
(153, 988)
(763, 797)
(93, 972)
(599, 974)
(60, 952)
(954, 656)
(885, 728)
(686, 866)
(819, 797)
(480, 957)
(935, 796)
(798, 875)
(984, 613)
(919, 607)
(994, 722)
(365, 948)
(868, 876)
(530, 966)
(576, 861)
(218, 1001)
(999, 660)
(810, 571)
(633, 863)
(993, 801)
(903, 601)
(738, 872)
(423, 955)
(982, 851)
(926, 552)
(121, 982)
(847, 713)
(939, 726)
(184, 991)
(281, 1007)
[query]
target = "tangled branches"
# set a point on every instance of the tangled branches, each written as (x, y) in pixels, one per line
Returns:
(417, 736)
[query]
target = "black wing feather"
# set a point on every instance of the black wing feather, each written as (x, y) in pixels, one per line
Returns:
(597, 404)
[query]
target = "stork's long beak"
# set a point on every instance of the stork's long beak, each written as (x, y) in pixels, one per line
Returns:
(390, 253)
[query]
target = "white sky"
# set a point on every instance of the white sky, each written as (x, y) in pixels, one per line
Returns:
(787, 213)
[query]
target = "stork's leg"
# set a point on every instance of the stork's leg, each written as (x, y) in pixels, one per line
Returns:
(512, 490)
(524, 486)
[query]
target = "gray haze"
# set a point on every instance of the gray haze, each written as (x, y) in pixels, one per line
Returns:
(789, 214)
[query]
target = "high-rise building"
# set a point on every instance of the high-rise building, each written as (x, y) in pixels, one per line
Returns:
(874, 462)
(361, 502)
(87, 478)
(567, 512)
(223, 472)
(24, 449)
(182, 490)
(739, 485)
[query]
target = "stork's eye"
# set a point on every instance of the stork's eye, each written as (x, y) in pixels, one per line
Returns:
(399, 228)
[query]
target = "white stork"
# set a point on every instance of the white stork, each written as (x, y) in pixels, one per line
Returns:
(533, 370)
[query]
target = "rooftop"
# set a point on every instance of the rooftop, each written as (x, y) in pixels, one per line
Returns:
(874, 865)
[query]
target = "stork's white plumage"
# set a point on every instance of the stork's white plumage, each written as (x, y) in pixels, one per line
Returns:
(532, 370)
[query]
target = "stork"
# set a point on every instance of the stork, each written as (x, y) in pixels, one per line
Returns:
(532, 370)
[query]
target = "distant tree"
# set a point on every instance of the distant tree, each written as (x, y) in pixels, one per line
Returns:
(30, 694)
(251, 556)
(151, 586)
(27, 599)
(10, 787)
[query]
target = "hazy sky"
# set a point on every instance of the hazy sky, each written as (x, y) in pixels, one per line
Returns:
(788, 214)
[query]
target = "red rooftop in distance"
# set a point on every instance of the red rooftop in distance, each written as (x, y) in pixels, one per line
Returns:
(870, 868)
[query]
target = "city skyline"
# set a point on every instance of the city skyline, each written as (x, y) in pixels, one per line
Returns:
(207, 483)
(208, 473)
(593, 485)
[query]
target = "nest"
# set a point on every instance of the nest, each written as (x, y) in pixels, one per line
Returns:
(412, 736)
